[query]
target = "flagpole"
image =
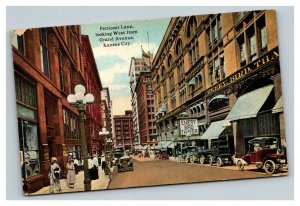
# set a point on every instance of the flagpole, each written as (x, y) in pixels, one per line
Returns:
(149, 51)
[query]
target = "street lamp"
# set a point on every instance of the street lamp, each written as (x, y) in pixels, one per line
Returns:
(105, 133)
(80, 100)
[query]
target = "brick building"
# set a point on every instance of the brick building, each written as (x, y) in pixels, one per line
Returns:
(48, 64)
(137, 65)
(123, 130)
(93, 86)
(145, 108)
(207, 67)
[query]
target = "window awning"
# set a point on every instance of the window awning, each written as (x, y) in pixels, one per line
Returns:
(166, 144)
(278, 106)
(220, 96)
(171, 145)
(214, 130)
(249, 104)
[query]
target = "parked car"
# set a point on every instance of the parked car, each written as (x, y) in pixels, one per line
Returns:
(186, 153)
(201, 155)
(264, 152)
(146, 153)
(119, 152)
(163, 154)
(125, 164)
(221, 153)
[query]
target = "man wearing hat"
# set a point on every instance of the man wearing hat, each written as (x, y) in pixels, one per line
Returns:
(54, 176)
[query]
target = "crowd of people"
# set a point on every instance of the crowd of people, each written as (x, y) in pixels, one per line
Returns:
(73, 167)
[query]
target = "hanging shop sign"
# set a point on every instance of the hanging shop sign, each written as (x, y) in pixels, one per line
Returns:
(189, 127)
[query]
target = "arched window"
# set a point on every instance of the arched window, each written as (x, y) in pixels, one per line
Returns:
(170, 61)
(191, 27)
(178, 48)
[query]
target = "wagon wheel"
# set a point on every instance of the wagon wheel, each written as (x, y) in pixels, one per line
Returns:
(240, 165)
(202, 159)
(219, 162)
(211, 160)
(270, 167)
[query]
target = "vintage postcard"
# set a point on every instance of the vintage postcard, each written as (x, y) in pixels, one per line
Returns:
(149, 102)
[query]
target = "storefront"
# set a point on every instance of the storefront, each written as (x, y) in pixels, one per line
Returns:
(26, 97)
(248, 95)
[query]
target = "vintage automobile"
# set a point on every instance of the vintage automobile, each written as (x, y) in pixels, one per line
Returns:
(119, 152)
(125, 164)
(220, 153)
(162, 154)
(201, 155)
(186, 154)
(147, 153)
(264, 152)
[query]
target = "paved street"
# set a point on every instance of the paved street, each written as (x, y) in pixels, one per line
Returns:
(99, 184)
(150, 172)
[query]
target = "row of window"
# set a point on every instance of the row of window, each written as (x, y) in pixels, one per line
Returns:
(71, 125)
(19, 42)
(252, 43)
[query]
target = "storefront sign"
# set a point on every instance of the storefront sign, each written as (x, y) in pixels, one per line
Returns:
(246, 70)
(189, 127)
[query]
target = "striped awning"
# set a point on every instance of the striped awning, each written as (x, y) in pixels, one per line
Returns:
(249, 104)
(214, 130)
(278, 106)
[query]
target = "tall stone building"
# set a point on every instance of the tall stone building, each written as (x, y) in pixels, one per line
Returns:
(106, 104)
(136, 66)
(123, 127)
(48, 64)
(221, 72)
(145, 104)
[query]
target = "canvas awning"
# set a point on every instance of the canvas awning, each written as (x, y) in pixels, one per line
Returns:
(214, 130)
(278, 106)
(166, 144)
(171, 145)
(158, 146)
(218, 97)
(249, 104)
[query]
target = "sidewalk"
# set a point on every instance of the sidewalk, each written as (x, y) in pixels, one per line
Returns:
(99, 184)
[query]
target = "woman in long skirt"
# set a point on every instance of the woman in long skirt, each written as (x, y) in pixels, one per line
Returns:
(71, 173)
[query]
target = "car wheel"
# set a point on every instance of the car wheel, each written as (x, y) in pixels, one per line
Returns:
(202, 159)
(211, 160)
(270, 167)
(219, 162)
(240, 165)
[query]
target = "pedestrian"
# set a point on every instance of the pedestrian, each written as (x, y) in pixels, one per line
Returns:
(54, 176)
(76, 165)
(91, 167)
(103, 163)
(70, 173)
(95, 167)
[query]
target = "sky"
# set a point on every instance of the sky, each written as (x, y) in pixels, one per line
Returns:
(113, 61)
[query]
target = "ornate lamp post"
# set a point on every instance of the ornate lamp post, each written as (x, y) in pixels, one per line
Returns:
(80, 100)
(105, 134)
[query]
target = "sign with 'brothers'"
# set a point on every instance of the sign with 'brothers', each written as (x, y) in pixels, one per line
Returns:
(189, 127)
